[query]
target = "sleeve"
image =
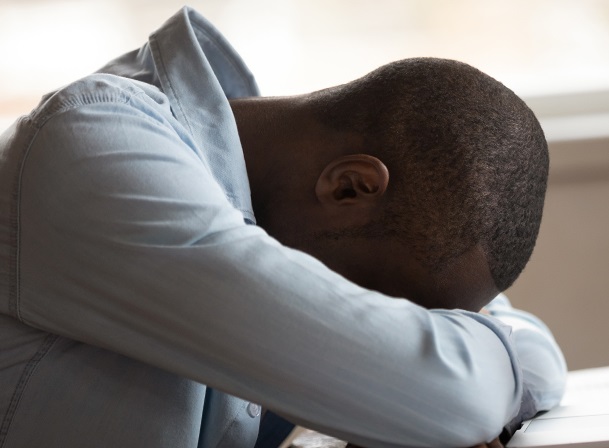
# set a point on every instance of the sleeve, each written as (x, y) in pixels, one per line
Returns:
(543, 365)
(127, 243)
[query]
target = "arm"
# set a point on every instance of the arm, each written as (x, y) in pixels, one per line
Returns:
(121, 221)
(543, 365)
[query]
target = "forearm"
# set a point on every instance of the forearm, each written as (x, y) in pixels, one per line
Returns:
(542, 361)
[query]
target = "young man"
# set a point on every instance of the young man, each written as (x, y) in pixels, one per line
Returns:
(138, 298)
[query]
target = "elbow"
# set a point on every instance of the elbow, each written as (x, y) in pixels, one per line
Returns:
(482, 414)
(543, 367)
(481, 387)
(476, 404)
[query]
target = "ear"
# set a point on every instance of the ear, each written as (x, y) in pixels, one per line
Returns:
(357, 179)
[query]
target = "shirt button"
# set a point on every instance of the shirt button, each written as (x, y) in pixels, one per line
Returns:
(253, 410)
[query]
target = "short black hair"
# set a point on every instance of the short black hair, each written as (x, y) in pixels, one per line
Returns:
(468, 160)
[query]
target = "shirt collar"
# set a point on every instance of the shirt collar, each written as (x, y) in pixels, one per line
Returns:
(198, 70)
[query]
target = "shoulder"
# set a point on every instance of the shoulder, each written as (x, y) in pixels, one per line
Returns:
(104, 112)
(102, 89)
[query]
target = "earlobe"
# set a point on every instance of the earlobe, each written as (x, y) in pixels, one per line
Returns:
(354, 179)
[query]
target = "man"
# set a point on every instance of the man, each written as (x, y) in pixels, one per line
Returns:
(139, 300)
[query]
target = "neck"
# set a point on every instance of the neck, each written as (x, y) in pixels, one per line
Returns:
(286, 149)
(275, 135)
(256, 122)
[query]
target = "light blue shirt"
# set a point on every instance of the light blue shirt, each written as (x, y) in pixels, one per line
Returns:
(132, 275)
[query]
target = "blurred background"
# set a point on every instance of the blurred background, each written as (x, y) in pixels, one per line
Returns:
(553, 53)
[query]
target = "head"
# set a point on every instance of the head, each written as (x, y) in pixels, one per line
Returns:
(432, 169)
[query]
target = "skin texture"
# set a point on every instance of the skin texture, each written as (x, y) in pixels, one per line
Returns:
(309, 183)
(424, 179)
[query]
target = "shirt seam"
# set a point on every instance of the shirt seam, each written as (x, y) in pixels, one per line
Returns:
(28, 372)
(74, 101)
